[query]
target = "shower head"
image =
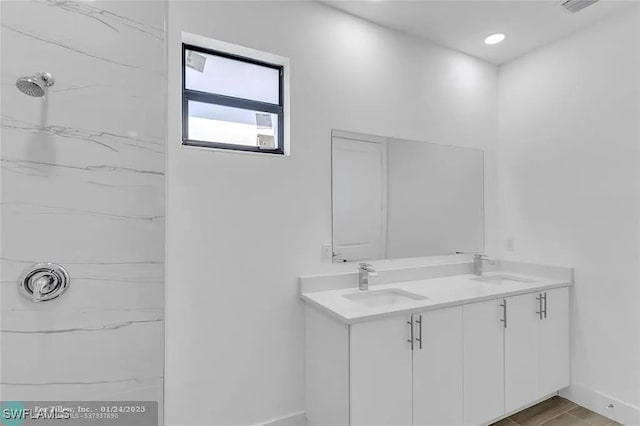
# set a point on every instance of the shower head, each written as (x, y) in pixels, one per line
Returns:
(35, 85)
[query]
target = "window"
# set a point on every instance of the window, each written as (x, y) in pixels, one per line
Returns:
(231, 102)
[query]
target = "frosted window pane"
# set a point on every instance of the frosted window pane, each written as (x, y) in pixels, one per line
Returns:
(222, 124)
(230, 77)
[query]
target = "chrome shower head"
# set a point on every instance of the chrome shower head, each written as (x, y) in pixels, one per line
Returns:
(35, 85)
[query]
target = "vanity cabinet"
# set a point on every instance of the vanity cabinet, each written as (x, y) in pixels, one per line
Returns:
(407, 370)
(462, 365)
(536, 346)
(521, 350)
(437, 368)
(483, 361)
(381, 372)
(553, 335)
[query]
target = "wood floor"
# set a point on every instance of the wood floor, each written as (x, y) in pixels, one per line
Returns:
(556, 411)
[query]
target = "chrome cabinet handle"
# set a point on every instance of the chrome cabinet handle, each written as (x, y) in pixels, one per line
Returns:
(545, 304)
(539, 311)
(419, 339)
(410, 322)
(504, 312)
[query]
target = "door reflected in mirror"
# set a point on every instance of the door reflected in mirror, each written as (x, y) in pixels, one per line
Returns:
(395, 198)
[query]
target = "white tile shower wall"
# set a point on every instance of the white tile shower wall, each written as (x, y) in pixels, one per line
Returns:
(83, 186)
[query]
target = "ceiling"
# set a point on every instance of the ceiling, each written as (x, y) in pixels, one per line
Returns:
(463, 25)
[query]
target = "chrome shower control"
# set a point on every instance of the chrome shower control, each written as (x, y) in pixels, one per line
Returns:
(43, 281)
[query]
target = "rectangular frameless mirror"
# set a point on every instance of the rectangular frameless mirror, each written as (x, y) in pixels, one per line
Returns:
(394, 198)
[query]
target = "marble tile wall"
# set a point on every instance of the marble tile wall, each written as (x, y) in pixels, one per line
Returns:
(82, 184)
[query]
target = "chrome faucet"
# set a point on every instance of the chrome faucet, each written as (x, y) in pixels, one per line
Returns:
(478, 261)
(365, 271)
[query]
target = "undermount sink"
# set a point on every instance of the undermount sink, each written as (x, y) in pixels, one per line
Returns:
(502, 279)
(389, 297)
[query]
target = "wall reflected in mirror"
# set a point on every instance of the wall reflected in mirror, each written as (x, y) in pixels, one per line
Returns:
(394, 198)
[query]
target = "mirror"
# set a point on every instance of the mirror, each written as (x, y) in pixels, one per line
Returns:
(394, 198)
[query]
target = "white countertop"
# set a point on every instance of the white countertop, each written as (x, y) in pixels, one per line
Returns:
(440, 292)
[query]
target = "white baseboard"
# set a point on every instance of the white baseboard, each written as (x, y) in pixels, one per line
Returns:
(605, 405)
(295, 419)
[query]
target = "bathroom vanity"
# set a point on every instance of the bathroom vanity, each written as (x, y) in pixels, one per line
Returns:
(435, 345)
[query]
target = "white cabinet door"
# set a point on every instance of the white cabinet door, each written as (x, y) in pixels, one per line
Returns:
(437, 368)
(554, 342)
(483, 361)
(380, 372)
(521, 351)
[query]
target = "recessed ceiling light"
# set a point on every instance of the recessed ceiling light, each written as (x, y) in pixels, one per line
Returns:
(495, 38)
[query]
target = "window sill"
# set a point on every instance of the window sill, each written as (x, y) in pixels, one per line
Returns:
(235, 151)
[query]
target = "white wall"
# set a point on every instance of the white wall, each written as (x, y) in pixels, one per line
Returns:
(242, 228)
(570, 189)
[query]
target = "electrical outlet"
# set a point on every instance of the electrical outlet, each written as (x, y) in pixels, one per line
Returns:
(511, 244)
(326, 253)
